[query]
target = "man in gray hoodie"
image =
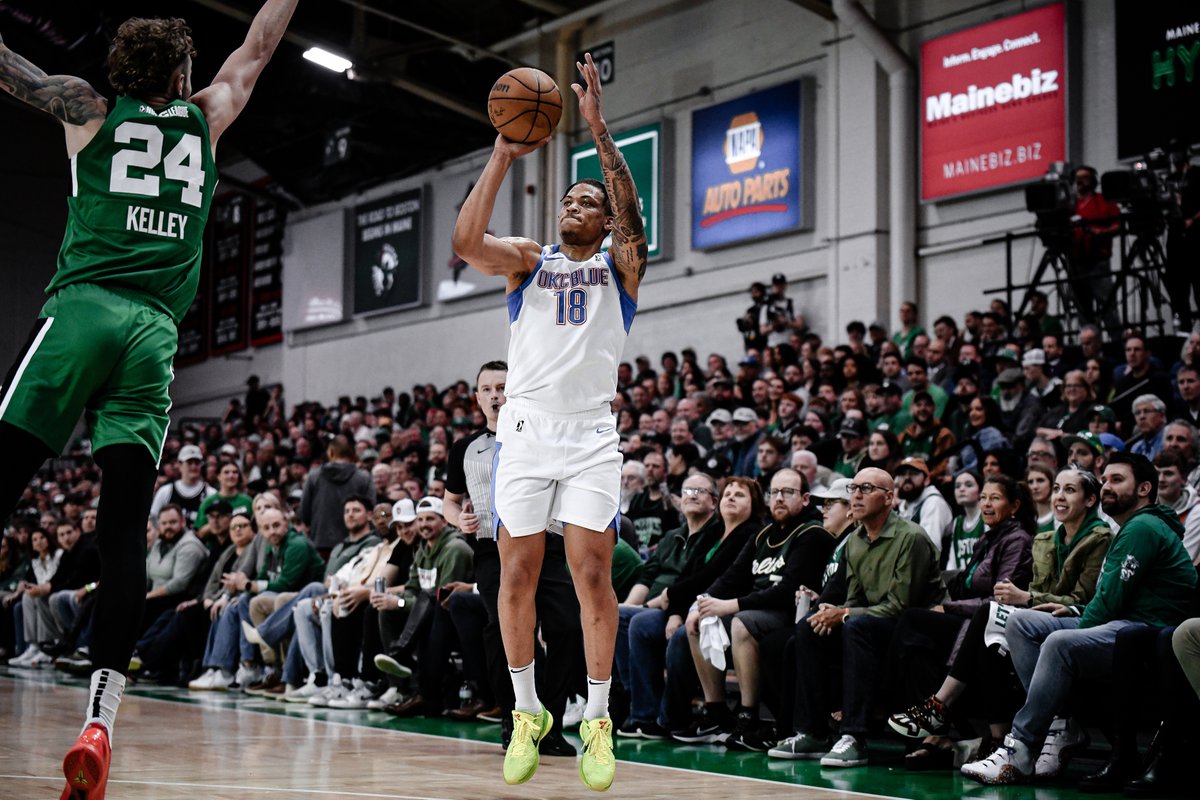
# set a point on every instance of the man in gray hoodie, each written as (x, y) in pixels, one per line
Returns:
(172, 565)
(326, 491)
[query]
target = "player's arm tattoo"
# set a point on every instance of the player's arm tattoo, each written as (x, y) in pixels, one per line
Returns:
(71, 100)
(629, 234)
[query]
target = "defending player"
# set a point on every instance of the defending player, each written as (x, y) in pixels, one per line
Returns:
(570, 306)
(143, 174)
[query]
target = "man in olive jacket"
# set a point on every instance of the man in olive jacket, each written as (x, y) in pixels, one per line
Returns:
(891, 565)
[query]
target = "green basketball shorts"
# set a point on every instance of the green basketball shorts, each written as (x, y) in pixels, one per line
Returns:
(95, 352)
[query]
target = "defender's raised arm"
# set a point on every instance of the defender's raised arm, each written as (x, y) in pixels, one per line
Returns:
(224, 100)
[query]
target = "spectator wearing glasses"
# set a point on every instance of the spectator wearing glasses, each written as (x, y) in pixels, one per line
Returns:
(752, 598)
(1150, 416)
(1071, 416)
(891, 565)
(656, 633)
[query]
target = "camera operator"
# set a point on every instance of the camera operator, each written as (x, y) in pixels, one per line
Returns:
(752, 337)
(1096, 220)
(1183, 237)
(778, 318)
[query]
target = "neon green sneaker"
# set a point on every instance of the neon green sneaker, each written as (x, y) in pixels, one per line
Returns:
(521, 758)
(597, 765)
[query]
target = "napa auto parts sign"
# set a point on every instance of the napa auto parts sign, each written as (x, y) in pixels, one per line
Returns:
(746, 167)
(993, 104)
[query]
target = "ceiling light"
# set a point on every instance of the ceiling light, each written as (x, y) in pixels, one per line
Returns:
(327, 59)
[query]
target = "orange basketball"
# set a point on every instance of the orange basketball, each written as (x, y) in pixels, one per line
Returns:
(525, 105)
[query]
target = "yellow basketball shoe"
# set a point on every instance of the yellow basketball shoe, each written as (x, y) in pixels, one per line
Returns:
(521, 758)
(597, 765)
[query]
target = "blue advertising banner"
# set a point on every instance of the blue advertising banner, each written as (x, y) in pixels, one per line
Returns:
(746, 157)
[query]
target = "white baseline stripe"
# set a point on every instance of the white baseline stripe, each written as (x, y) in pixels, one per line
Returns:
(241, 788)
(37, 342)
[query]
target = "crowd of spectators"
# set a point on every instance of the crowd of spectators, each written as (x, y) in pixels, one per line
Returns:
(842, 521)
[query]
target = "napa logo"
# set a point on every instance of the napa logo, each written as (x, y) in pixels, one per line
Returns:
(743, 143)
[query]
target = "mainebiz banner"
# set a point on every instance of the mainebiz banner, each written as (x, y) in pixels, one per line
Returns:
(993, 104)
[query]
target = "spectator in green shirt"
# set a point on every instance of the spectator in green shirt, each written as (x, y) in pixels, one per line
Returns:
(229, 489)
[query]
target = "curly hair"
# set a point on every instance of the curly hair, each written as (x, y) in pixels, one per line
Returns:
(145, 52)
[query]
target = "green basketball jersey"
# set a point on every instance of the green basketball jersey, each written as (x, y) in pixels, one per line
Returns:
(141, 192)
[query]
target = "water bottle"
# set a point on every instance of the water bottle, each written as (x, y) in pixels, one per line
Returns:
(465, 695)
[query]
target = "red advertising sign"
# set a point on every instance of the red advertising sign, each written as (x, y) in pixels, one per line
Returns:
(993, 104)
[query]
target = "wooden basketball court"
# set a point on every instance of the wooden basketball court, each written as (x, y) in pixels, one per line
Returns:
(172, 744)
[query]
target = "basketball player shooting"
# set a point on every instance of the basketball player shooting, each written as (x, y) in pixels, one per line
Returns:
(570, 306)
(143, 174)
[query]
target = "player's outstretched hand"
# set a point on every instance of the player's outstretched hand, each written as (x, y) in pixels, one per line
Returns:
(589, 98)
(515, 150)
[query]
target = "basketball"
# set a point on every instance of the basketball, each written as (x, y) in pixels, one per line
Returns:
(524, 105)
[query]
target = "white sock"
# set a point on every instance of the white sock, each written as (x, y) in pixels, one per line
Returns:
(105, 696)
(524, 691)
(597, 699)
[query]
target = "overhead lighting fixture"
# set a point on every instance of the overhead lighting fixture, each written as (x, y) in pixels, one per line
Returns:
(327, 59)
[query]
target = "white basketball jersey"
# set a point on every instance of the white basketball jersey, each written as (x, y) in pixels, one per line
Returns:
(569, 321)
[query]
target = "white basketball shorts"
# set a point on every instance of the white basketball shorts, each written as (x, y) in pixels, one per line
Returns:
(554, 466)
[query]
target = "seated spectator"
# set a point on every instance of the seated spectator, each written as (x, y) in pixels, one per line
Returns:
(1020, 410)
(918, 381)
(927, 438)
(982, 435)
(650, 510)
(965, 530)
(174, 565)
(701, 530)
(1087, 451)
(443, 557)
(1174, 491)
(1147, 579)
(1136, 378)
(753, 597)
(925, 638)
(291, 562)
(853, 437)
(1039, 478)
(229, 491)
(891, 565)
(1187, 383)
(1041, 384)
(39, 623)
(1071, 415)
(178, 634)
(920, 501)
(743, 450)
(982, 664)
(1150, 417)
(883, 452)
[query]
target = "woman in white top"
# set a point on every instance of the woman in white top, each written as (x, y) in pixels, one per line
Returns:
(46, 556)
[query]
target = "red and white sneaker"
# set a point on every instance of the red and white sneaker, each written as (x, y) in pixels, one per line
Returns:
(86, 765)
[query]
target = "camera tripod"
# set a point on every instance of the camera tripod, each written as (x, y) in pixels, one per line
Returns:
(1143, 263)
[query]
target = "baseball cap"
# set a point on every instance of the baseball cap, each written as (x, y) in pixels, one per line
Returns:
(1112, 440)
(223, 507)
(1087, 438)
(721, 416)
(744, 414)
(190, 452)
(838, 490)
(1104, 412)
(370, 454)
(228, 450)
(912, 462)
(1010, 377)
(1010, 353)
(430, 503)
(778, 277)
(853, 426)
(923, 395)
(403, 511)
(1032, 357)
(748, 361)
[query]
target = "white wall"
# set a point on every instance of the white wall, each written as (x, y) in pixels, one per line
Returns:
(666, 55)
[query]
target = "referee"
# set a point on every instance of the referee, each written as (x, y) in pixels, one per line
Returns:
(470, 476)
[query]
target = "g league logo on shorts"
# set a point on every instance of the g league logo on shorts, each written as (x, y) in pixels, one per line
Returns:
(520, 424)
